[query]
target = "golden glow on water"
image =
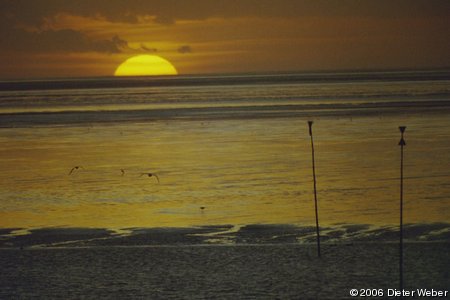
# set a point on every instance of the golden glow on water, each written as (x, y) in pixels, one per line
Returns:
(242, 171)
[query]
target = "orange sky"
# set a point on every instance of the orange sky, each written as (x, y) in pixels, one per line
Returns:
(58, 38)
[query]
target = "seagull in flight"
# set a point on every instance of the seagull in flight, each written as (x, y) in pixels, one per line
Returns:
(75, 168)
(150, 175)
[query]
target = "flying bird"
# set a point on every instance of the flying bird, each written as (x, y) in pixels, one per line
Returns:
(75, 168)
(150, 175)
(123, 171)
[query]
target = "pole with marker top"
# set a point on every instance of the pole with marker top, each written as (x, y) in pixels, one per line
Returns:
(402, 143)
(315, 189)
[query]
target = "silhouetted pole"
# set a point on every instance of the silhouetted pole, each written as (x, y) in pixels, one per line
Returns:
(401, 144)
(315, 190)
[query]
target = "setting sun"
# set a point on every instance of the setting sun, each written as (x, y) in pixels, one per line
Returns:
(145, 65)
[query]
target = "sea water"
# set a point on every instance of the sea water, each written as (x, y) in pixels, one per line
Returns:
(236, 145)
(232, 215)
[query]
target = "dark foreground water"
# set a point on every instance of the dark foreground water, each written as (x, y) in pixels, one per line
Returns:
(271, 271)
(220, 262)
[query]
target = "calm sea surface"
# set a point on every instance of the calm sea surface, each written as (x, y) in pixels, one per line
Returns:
(236, 145)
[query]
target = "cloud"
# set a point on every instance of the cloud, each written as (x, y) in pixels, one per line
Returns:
(52, 41)
(119, 43)
(18, 14)
(167, 12)
(148, 49)
(68, 40)
(185, 49)
(164, 20)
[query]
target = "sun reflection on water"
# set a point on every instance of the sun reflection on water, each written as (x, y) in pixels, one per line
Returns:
(240, 171)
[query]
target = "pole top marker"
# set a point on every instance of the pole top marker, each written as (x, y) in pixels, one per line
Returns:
(402, 141)
(310, 127)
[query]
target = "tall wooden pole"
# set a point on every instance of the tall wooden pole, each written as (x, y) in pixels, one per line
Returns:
(402, 143)
(315, 189)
